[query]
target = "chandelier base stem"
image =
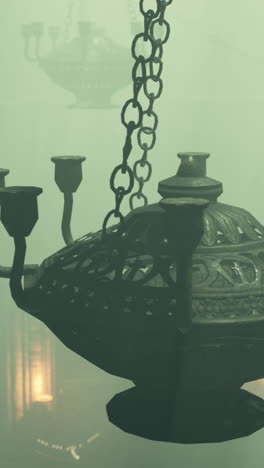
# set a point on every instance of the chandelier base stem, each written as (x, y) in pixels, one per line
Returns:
(187, 416)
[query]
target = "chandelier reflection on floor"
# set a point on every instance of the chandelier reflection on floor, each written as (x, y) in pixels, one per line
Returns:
(90, 65)
(33, 414)
(171, 297)
(30, 368)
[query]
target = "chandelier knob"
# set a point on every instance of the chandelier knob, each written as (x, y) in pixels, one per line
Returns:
(174, 204)
(68, 172)
(19, 209)
(191, 179)
(193, 164)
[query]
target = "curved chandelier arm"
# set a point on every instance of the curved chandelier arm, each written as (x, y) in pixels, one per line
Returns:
(5, 272)
(17, 291)
(66, 218)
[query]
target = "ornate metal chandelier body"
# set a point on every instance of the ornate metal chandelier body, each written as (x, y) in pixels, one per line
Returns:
(171, 297)
(90, 65)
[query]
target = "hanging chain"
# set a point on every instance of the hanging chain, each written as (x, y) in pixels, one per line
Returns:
(143, 73)
(132, 12)
(68, 22)
(134, 19)
(146, 135)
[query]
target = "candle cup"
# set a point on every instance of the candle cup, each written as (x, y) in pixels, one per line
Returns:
(3, 174)
(68, 172)
(37, 29)
(19, 209)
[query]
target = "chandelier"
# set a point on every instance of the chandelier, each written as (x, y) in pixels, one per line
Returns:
(170, 296)
(88, 64)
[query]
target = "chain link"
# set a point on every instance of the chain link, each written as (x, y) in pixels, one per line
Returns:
(68, 22)
(159, 31)
(146, 73)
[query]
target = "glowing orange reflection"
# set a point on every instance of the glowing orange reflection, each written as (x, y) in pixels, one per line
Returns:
(30, 367)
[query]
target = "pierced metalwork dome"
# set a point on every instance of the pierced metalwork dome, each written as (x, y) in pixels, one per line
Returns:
(229, 261)
(227, 264)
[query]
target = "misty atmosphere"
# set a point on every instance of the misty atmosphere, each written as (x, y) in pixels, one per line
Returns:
(52, 402)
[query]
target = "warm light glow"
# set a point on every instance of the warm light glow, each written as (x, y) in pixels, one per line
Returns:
(44, 398)
(37, 386)
(38, 390)
(41, 381)
(30, 367)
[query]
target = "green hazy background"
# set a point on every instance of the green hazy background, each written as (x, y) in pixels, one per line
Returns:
(213, 101)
